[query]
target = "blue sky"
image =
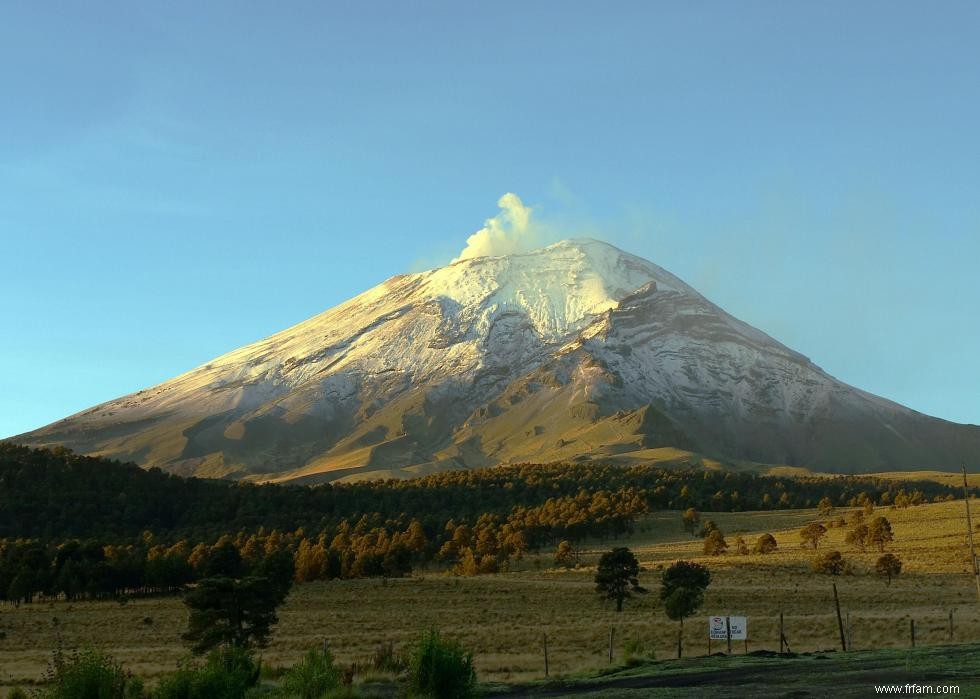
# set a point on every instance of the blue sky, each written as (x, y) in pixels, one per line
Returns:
(178, 181)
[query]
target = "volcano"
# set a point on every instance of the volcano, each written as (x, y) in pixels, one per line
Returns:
(571, 352)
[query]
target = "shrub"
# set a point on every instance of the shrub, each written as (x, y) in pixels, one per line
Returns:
(179, 685)
(85, 674)
(313, 677)
(888, 566)
(691, 519)
(825, 506)
(706, 528)
(227, 674)
(134, 688)
(17, 693)
(565, 555)
(812, 533)
(830, 563)
(441, 668)
(386, 660)
(714, 543)
(634, 651)
(766, 544)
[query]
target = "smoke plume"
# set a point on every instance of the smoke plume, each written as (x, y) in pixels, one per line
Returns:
(508, 232)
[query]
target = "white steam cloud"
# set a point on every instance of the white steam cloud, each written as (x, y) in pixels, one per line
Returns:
(508, 232)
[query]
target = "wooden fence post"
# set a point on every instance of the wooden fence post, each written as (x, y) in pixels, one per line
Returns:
(611, 630)
(840, 621)
(782, 636)
(969, 533)
(912, 631)
(545, 655)
(728, 629)
(950, 625)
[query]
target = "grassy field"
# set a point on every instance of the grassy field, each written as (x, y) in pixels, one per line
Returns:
(502, 617)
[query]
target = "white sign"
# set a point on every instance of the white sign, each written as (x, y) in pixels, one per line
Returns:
(718, 628)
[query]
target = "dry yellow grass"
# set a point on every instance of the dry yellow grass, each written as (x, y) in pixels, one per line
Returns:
(502, 617)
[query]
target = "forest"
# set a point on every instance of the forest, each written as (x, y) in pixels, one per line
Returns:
(74, 526)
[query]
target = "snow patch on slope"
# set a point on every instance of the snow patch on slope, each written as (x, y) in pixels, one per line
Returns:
(430, 326)
(558, 287)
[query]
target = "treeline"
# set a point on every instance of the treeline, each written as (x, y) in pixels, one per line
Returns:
(92, 570)
(54, 494)
(371, 546)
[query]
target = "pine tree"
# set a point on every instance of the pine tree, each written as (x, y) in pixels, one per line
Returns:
(617, 575)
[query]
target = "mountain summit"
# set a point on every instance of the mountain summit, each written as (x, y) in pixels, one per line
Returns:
(577, 350)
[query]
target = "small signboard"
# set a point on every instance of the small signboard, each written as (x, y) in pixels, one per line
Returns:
(718, 627)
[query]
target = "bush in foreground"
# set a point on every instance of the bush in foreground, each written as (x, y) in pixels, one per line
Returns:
(88, 674)
(635, 652)
(441, 669)
(227, 674)
(385, 659)
(312, 678)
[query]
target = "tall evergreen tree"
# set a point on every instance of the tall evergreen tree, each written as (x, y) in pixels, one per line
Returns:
(616, 577)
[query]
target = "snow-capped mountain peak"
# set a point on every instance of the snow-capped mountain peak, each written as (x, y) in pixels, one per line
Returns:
(558, 287)
(575, 350)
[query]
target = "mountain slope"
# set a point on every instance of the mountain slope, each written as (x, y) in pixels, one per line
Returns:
(576, 350)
